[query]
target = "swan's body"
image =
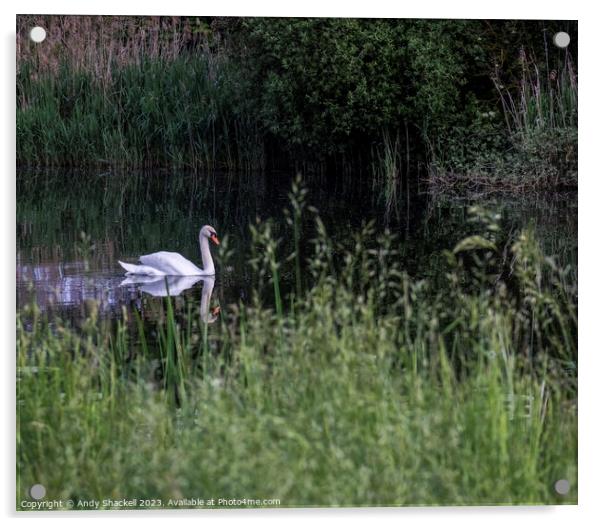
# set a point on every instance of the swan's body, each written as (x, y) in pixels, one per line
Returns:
(174, 264)
(166, 264)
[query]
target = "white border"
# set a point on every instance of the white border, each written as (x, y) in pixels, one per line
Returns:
(589, 247)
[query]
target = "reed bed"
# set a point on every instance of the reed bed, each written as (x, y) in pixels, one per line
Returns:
(541, 117)
(539, 149)
(96, 44)
(130, 91)
(154, 114)
(364, 388)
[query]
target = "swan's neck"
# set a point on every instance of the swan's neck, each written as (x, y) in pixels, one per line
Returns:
(206, 255)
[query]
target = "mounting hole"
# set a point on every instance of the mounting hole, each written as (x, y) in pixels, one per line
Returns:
(37, 34)
(562, 486)
(37, 491)
(562, 39)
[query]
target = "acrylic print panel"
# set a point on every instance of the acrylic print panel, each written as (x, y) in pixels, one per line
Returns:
(271, 262)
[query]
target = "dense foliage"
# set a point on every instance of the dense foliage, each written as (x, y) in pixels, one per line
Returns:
(252, 92)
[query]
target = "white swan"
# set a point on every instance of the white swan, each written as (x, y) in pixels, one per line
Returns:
(174, 264)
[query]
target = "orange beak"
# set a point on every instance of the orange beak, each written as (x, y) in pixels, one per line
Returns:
(214, 239)
(216, 310)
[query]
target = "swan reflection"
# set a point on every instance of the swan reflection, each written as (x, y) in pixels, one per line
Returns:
(161, 286)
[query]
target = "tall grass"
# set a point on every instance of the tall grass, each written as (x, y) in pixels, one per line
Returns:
(391, 170)
(135, 92)
(538, 147)
(541, 118)
(369, 388)
(153, 114)
(543, 100)
(96, 44)
(387, 170)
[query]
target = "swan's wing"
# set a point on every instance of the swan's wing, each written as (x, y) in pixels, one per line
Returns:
(140, 270)
(171, 263)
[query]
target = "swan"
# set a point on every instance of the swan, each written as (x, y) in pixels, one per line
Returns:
(174, 264)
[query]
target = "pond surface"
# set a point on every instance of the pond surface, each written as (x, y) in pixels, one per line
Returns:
(72, 227)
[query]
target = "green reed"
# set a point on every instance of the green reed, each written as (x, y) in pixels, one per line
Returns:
(372, 388)
(541, 117)
(182, 112)
(387, 171)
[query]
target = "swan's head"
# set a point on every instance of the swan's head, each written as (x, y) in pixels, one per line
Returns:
(209, 231)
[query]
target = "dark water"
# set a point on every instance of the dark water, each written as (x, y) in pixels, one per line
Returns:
(72, 227)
